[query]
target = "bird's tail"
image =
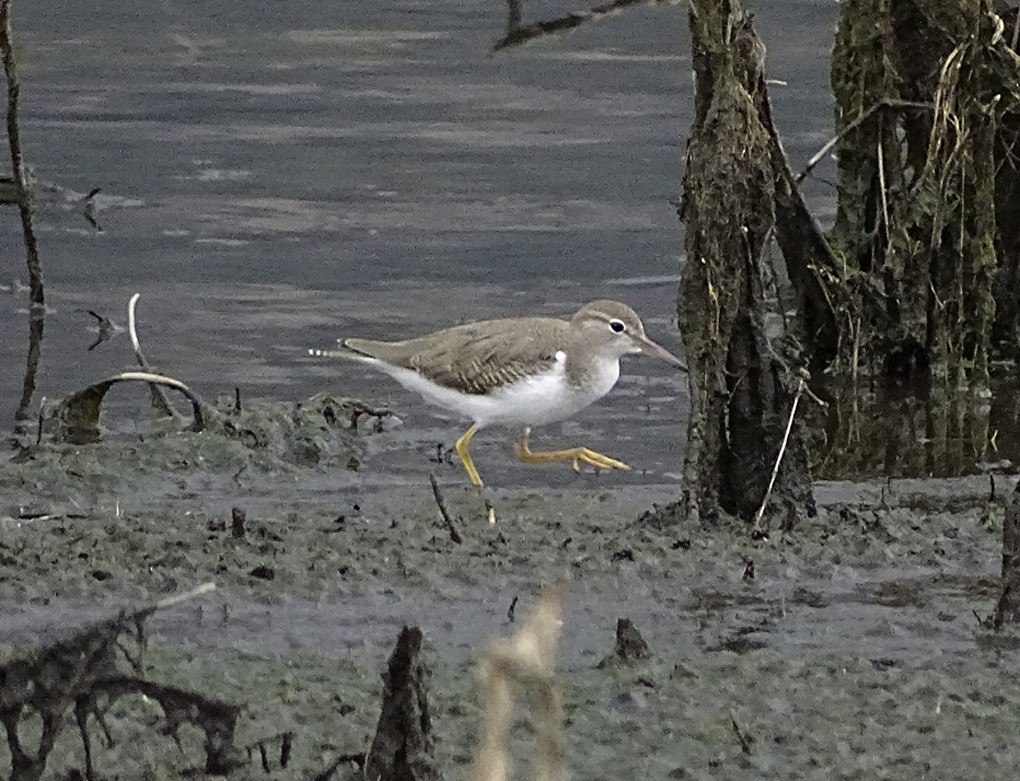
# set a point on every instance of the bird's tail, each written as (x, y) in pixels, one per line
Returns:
(318, 353)
(345, 350)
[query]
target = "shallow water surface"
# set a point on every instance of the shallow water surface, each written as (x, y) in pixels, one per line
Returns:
(374, 171)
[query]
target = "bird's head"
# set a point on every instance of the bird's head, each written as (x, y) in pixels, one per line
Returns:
(614, 329)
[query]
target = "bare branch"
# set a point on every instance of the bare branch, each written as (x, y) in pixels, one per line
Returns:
(24, 194)
(159, 399)
(853, 125)
(758, 528)
(518, 33)
(441, 503)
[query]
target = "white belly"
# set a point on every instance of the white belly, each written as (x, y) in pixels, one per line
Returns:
(535, 401)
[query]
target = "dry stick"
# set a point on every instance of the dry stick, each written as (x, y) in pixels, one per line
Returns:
(1016, 30)
(514, 16)
(197, 407)
(37, 310)
(881, 185)
(359, 408)
(779, 458)
(159, 399)
(490, 512)
(42, 418)
(745, 741)
(35, 280)
(174, 599)
(454, 534)
(518, 34)
(853, 125)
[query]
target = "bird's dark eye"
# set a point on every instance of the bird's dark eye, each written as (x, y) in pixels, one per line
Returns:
(617, 326)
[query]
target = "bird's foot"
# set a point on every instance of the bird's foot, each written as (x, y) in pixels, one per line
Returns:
(576, 455)
(594, 459)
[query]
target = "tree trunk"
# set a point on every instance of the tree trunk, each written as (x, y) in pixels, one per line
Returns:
(926, 109)
(743, 366)
(1008, 609)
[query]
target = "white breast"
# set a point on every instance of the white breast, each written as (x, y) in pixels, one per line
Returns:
(545, 398)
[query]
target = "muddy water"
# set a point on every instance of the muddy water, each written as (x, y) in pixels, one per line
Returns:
(273, 182)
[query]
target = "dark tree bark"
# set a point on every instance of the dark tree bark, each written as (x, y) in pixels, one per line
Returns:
(402, 749)
(927, 109)
(738, 197)
(1006, 333)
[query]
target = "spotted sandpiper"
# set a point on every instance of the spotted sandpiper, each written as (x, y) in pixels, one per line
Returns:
(524, 372)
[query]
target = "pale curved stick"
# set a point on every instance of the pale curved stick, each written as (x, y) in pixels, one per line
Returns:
(160, 379)
(80, 411)
(159, 399)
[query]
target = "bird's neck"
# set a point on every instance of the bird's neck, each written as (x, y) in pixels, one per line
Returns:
(596, 371)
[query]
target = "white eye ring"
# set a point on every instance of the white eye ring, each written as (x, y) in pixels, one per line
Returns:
(617, 326)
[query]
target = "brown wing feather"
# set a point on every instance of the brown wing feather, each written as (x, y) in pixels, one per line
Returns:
(476, 357)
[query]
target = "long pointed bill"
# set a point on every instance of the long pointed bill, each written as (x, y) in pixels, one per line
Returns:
(648, 347)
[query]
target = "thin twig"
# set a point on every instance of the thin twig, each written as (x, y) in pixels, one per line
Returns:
(882, 186)
(779, 458)
(359, 408)
(42, 418)
(514, 16)
(105, 329)
(853, 125)
(174, 599)
(35, 279)
(745, 740)
(89, 208)
(441, 503)
(159, 398)
(518, 33)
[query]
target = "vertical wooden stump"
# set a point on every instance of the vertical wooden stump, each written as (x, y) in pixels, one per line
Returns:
(1008, 609)
(739, 201)
(402, 749)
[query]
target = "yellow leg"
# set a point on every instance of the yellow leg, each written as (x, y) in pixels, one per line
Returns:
(465, 457)
(574, 454)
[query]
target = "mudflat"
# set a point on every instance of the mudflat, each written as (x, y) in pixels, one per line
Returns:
(848, 648)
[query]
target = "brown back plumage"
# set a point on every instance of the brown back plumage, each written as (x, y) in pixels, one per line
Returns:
(476, 357)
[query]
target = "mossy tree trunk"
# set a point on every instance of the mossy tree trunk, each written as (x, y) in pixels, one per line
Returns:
(738, 198)
(927, 103)
(1006, 291)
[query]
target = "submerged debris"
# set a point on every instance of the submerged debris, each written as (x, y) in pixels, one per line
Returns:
(88, 671)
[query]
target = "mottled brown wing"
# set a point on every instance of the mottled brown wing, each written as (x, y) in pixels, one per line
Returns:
(476, 357)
